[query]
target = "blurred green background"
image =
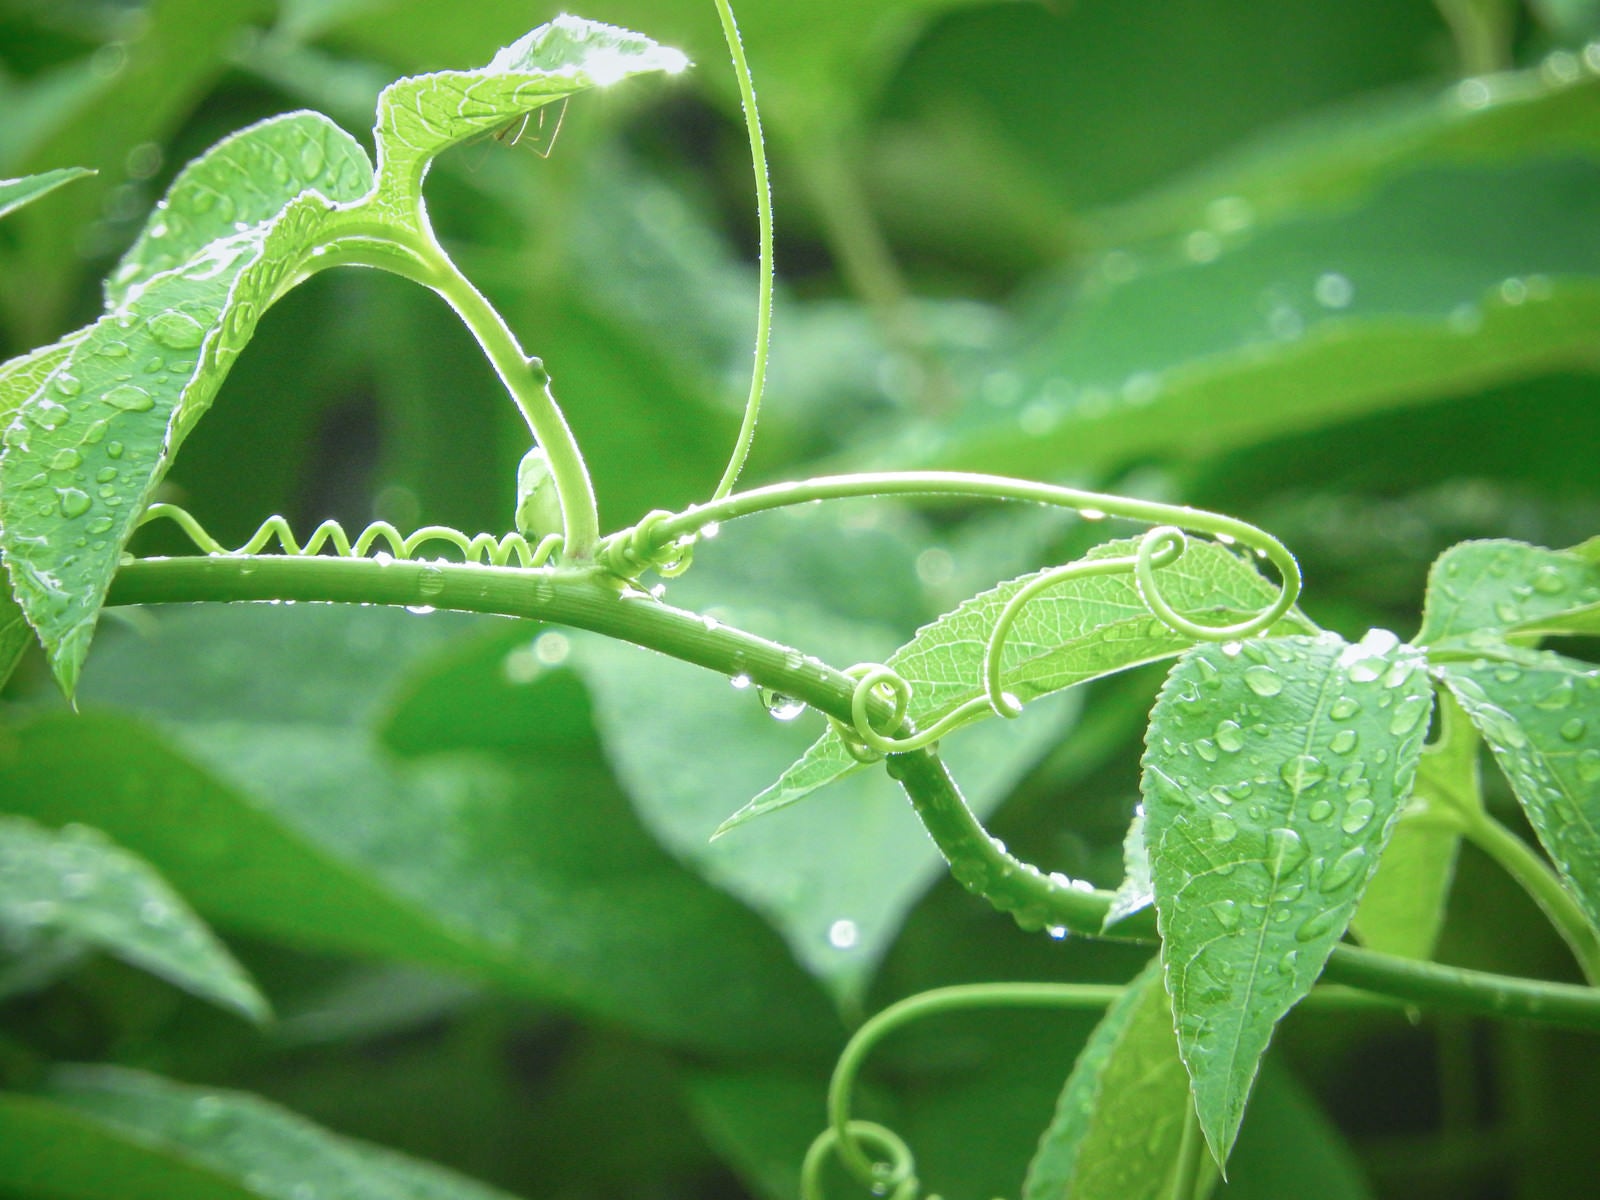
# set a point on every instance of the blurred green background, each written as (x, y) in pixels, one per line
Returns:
(1330, 265)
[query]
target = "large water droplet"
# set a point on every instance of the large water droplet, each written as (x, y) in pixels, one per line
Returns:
(1223, 828)
(1230, 737)
(1320, 810)
(129, 398)
(67, 385)
(1227, 914)
(65, 460)
(1588, 764)
(1408, 713)
(1344, 869)
(1318, 925)
(1303, 772)
(1343, 742)
(1206, 749)
(1286, 850)
(74, 501)
(1572, 730)
(1547, 579)
(1263, 681)
(1357, 815)
(177, 330)
(780, 707)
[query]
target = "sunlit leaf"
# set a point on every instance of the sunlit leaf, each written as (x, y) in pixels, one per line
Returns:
(78, 883)
(1081, 630)
(168, 1139)
(1120, 1118)
(1509, 588)
(86, 451)
(1540, 714)
(1274, 771)
(14, 193)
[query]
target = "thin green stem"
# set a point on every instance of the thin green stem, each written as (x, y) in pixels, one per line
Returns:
(1535, 876)
(1186, 1171)
(417, 255)
(588, 599)
(758, 157)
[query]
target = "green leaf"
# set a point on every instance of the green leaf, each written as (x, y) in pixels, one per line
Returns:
(1137, 890)
(1274, 771)
(78, 883)
(421, 116)
(1510, 589)
(1446, 279)
(1540, 714)
(169, 1139)
(288, 818)
(86, 452)
(1128, 1089)
(1081, 630)
(14, 193)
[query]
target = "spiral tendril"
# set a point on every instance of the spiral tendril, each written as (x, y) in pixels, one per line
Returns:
(484, 548)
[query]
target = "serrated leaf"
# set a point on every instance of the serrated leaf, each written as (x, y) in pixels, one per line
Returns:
(1119, 1121)
(1081, 630)
(169, 1139)
(1136, 891)
(78, 883)
(421, 116)
(14, 193)
(1505, 587)
(1273, 774)
(85, 452)
(1540, 714)
(19, 379)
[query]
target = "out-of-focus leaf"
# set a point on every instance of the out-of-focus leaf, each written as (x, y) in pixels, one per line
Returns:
(1129, 1089)
(1540, 714)
(85, 452)
(1081, 630)
(288, 819)
(1274, 771)
(77, 882)
(14, 193)
(172, 1140)
(1136, 891)
(1288, 1147)
(1445, 279)
(1510, 589)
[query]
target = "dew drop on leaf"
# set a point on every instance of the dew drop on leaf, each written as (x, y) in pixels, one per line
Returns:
(74, 501)
(1357, 815)
(129, 398)
(1304, 771)
(177, 330)
(1263, 681)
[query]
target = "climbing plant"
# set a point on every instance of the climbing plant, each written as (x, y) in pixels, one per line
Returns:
(353, 785)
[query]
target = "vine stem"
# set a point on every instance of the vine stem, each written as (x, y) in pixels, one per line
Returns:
(758, 158)
(587, 598)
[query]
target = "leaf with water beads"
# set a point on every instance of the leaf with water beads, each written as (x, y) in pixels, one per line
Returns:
(15, 193)
(86, 450)
(1507, 590)
(1082, 629)
(422, 116)
(1540, 714)
(77, 883)
(168, 1139)
(1274, 770)
(1119, 1121)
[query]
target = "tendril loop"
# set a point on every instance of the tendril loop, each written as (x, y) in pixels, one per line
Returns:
(894, 1177)
(634, 551)
(484, 548)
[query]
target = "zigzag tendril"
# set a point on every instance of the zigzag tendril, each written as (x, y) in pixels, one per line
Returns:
(484, 548)
(1159, 547)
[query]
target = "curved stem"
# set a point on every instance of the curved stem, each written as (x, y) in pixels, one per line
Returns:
(758, 157)
(582, 597)
(417, 256)
(1524, 864)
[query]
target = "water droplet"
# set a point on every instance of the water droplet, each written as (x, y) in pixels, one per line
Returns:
(67, 385)
(1223, 828)
(1572, 730)
(177, 330)
(1343, 742)
(1303, 772)
(1287, 963)
(1206, 749)
(100, 525)
(1333, 290)
(1344, 868)
(129, 398)
(1357, 815)
(1589, 766)
(113, 449)
(1344, 708)
(1548, 580)
(74, 501)
(112, 350)
(311, 158)
(1263, 681)
(1320, 810)
(1227, 913)
(780, 707)
(1408, 713)
(1230, 737)
(843, 934)
(1319, 924)
(65, 460)
(1286, 850)
(1557, 698)
(740, 681)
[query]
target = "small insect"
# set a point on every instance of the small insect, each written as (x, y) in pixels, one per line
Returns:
(535, 129)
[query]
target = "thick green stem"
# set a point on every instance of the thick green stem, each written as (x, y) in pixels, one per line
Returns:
(584, 598)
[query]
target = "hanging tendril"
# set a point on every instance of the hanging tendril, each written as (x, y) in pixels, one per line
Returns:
(483, 548)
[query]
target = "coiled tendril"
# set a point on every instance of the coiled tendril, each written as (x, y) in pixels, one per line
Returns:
(1159, 547)
(483, 548)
